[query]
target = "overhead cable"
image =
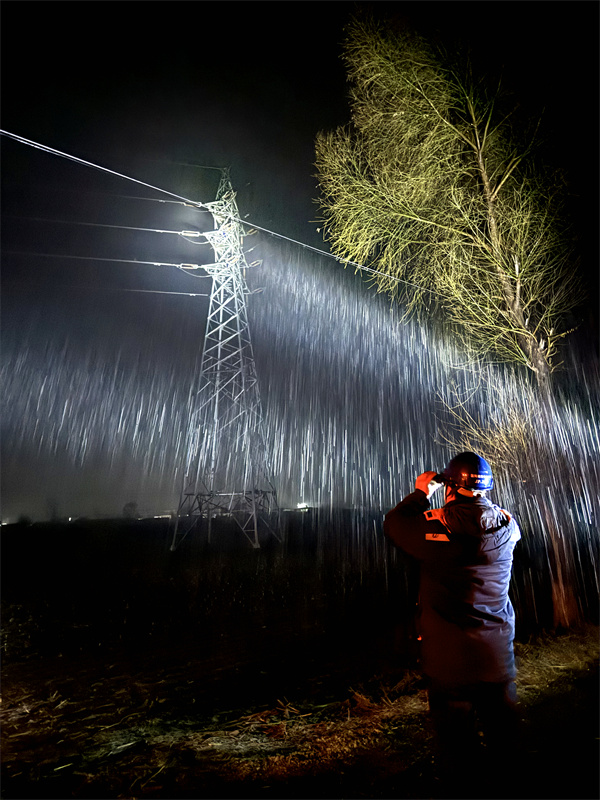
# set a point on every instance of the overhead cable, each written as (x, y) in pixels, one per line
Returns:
(72, 288)
(81, 161)
(121, 260)
(185, 234)
(209, 207)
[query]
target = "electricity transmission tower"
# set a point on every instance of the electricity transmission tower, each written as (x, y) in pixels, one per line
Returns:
(227, 468)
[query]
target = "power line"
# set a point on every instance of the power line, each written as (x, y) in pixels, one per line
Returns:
(207, 207)
(185, 234)
(182, 267)
(71, 288)
(254, 226)
(77, 160)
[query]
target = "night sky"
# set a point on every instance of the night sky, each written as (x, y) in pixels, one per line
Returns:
(154, 90)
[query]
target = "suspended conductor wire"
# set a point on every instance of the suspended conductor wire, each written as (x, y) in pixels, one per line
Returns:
(208, 207)
(160, 291)
(71, 288)
(78, 160)
(183, 267)
(185, 234)
(254, 226)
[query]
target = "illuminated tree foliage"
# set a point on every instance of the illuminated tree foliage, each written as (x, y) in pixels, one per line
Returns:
(431, 186)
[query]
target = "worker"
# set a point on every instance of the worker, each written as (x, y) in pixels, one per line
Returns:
(466, 621)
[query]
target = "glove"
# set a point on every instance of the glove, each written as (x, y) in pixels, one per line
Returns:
(426, 483)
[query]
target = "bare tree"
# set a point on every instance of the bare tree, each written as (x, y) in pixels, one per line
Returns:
(517, 452)
(431, 185)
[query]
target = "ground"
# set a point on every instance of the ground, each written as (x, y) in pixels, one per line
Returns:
(167, 722)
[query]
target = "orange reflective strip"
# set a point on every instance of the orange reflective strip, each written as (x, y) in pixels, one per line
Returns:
(436, 514)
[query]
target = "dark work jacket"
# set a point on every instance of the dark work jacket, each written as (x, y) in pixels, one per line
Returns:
(465, 550)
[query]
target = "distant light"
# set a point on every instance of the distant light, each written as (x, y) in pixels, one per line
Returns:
(302, 505)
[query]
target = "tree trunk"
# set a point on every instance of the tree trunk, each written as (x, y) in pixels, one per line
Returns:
(566, 611)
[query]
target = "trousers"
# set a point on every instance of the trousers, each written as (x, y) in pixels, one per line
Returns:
(472, 719)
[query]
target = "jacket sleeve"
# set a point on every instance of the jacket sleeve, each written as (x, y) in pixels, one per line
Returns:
(405, 524)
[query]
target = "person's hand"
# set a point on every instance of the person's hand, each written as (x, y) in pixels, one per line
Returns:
(426, 483)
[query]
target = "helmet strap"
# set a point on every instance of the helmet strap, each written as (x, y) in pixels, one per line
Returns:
(472, 492)
(453, 489)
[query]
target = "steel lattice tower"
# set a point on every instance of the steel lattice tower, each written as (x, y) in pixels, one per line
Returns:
(227, 469)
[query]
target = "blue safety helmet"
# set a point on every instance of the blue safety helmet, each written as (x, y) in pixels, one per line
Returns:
(469, 471)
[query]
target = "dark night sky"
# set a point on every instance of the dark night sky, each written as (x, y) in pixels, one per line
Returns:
(144, 87)
(249, 84)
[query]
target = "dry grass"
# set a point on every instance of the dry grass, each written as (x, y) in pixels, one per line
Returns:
(363, 723)
(349, 728)
(547, 658)
(106, 735)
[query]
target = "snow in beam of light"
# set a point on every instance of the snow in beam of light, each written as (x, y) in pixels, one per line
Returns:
(340, 387)
(351, 401)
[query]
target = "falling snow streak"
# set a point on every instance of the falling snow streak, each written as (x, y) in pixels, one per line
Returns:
(336, 381)
(351, 395)
(98, 396)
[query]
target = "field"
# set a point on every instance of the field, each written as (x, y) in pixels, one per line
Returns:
(219, 671)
